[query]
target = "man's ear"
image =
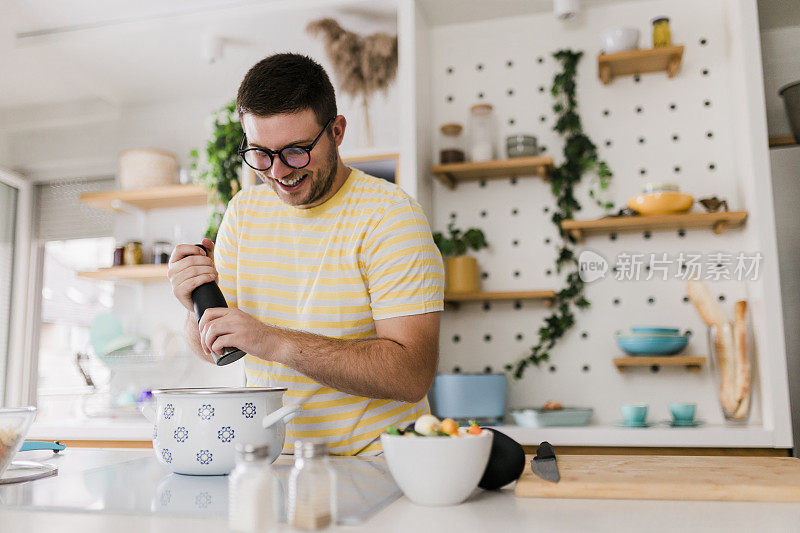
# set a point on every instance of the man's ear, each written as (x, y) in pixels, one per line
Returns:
(338, 127)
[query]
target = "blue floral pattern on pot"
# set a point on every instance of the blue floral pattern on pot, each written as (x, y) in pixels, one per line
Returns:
(204, 457)
(225, 434)
(169, 411)
(203, 500)
(205, 412)
(249, 410)
(181, 434)
(166, 455)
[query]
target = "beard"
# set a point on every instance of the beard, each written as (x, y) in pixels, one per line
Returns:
(320, 181)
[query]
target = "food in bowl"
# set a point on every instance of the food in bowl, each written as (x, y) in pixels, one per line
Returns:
(430, 426)
(14, 424)
(552, 406)
(453, 463)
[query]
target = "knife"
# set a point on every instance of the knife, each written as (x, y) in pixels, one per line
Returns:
(544, 464)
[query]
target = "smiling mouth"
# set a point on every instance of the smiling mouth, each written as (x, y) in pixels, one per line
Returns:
(292, 183)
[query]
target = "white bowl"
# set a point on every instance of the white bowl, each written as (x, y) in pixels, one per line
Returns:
(616, 40)
(195, 430)
(437, 470)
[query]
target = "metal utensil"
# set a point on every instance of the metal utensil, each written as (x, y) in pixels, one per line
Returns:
(544, 464)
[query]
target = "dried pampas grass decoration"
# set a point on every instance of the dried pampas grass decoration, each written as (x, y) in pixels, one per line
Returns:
(362, 65)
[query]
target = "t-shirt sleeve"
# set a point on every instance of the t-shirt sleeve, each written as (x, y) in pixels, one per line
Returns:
(404, 270)
(226, 251)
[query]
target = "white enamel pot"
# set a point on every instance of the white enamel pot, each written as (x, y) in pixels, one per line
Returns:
(195, 430)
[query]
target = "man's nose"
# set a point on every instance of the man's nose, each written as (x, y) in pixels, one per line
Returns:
(279, 169)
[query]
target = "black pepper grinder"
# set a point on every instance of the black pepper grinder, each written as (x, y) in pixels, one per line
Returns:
(204, 297)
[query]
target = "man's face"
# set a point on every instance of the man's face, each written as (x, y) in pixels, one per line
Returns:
(297, 129)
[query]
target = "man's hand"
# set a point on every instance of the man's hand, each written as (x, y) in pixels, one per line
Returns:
(223, 327)
(189, 268)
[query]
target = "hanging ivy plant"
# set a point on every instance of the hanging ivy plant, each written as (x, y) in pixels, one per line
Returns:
(220, 173)
(580, 157)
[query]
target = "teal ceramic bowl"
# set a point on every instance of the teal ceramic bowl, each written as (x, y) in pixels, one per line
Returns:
(656, 331)
(682, 412)
(634, 414)
(641, 344)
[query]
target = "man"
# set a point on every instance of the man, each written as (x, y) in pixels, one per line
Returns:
(333, 282)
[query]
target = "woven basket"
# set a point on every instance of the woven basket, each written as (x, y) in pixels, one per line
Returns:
(146, 167)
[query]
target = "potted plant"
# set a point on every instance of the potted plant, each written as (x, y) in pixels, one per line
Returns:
(461, 270)
(219, 172)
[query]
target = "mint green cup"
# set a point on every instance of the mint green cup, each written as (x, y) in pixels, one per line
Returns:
(634, 415)
(683, 412)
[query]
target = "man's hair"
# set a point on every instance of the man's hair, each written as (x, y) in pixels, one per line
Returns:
(287, 83)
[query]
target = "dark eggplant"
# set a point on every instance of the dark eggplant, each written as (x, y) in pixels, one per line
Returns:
(506, 461)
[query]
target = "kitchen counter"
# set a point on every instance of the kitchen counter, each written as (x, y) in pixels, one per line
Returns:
(711, 435)
(483, 511)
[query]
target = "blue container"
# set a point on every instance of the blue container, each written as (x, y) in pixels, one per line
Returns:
(638, 344)
(469, 395)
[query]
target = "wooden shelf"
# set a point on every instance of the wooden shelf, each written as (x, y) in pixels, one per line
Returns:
(452, 173)
(718, 222)
(143, 273)
(691, 363)
(505, 295)
(145, 199)
(782, 140)
(663, 59)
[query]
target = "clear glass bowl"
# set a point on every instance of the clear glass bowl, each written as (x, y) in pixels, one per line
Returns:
(14, 425)
(735, 405)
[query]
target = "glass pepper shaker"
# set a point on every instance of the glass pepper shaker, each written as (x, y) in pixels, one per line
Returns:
(253, 506)
(483, 142)
(312, 488)
(451, 146)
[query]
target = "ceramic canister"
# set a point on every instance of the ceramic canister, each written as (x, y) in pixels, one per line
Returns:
(195, 430)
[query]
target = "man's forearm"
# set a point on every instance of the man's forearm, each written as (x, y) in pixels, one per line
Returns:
(373, 368)
(192, 335)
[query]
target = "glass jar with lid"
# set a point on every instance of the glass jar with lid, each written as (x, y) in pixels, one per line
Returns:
(311, 503)
(133, 254)
(252, 491)
(161, 252)
(661, 33)
(482, 130)
(451, 144)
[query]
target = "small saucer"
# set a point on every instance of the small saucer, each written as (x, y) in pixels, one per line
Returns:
(676, 424)
(623, 424)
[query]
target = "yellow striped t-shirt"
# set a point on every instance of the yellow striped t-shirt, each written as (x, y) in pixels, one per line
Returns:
(364, 255)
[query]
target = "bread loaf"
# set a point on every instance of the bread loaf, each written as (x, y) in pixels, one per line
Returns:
(705, 303)
(726, 364)
(743, 375)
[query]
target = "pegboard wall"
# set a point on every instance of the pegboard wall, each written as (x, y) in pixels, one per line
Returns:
(649, 129)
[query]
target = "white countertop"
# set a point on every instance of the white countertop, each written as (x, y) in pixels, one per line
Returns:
(483, 511)
(711, 435)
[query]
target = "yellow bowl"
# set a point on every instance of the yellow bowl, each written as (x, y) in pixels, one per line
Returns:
(661, 203)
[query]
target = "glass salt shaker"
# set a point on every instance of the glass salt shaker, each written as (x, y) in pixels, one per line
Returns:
(253, 506)
(483, 141)
(312, 488)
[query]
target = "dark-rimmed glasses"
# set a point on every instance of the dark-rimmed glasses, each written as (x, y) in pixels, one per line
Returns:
(293, 156)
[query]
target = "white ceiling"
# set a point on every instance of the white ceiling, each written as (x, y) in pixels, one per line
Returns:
(121, 52)
(117, 52)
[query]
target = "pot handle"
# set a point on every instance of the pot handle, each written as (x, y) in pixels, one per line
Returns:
(285, 413)
(148, 409)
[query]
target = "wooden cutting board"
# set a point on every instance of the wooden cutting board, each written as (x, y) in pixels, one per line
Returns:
(773, 479)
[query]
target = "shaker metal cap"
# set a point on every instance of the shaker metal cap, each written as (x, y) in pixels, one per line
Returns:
(308, 450)
(252, 452)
